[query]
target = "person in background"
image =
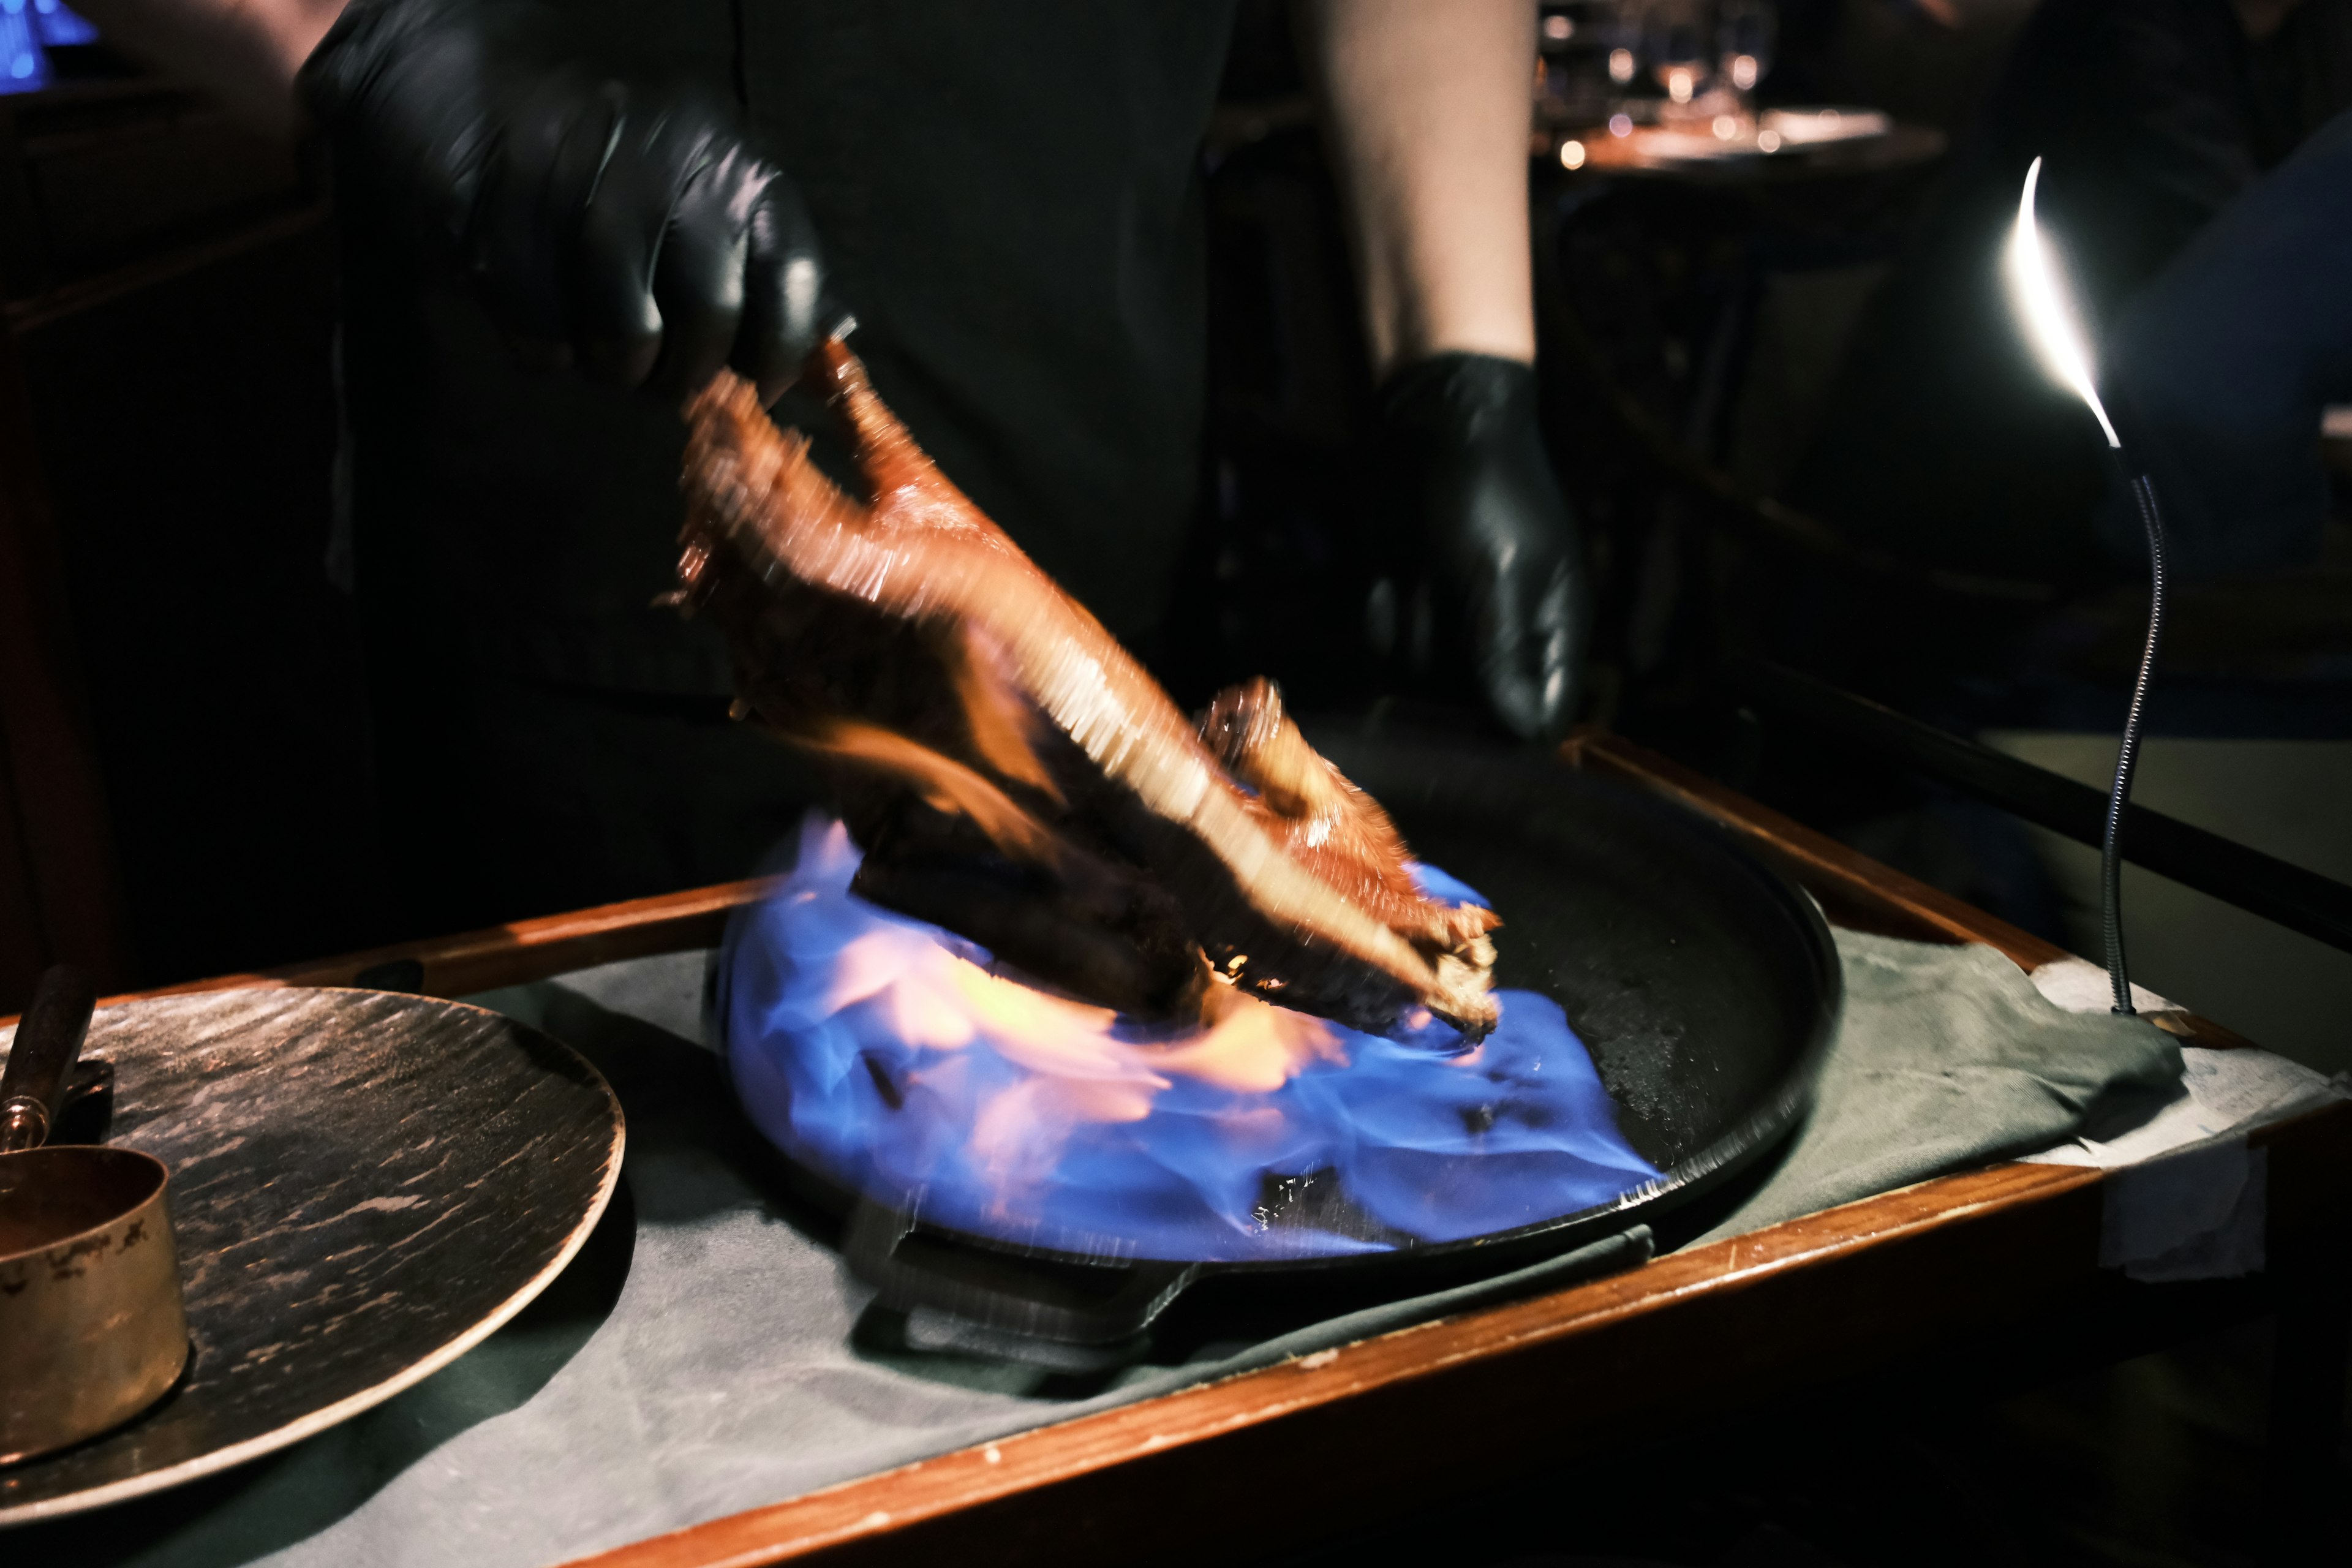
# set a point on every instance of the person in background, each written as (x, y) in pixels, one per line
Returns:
(2223, 367)
(558, 218)
(1944, 441)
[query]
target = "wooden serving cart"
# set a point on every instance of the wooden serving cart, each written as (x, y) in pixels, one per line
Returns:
(1997, 1266)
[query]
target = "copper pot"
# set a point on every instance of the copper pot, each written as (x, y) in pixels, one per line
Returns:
(92, 1327)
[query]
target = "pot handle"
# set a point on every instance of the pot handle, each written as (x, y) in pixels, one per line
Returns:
(910, 1268)
(49, 1038)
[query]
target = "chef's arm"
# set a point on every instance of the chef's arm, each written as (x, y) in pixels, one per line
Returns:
(243, 52)
(457, 127)
(1426, 109)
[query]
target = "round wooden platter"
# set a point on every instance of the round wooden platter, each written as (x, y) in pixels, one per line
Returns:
(364, 1185)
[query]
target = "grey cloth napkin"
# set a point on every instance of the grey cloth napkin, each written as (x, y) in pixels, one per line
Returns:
(708, 1352)
(1949, 1058)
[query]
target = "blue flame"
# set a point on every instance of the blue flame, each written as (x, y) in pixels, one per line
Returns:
(60, 29)
(24, 67)
(28, 30)
(880, 1052)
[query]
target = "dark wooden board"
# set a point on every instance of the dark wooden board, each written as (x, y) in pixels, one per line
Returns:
(364, 1185)
(516, 955)
(1370, 1428)
(1395, 1421)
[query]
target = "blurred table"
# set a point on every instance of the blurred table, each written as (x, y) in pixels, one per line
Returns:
(1696, 295)
(1782, 146)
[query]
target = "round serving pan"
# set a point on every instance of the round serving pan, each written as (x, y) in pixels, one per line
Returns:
(1704, 985)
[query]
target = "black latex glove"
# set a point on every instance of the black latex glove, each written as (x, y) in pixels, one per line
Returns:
(1492, 554)
(622, 228)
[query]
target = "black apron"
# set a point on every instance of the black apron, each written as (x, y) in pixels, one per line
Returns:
(1008, 198)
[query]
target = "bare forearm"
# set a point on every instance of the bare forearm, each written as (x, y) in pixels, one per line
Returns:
(1426, 113)
(243, 52)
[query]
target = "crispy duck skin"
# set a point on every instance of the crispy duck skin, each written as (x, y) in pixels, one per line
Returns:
(1014, 775)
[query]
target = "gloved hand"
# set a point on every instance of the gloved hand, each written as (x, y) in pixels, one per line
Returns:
(628, 230)
(1501, 585)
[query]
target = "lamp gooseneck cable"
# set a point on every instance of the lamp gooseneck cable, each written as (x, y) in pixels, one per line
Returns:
(2143, 495)
(2048, 316)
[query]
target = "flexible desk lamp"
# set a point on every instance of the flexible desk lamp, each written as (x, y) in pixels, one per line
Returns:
(2052, 326)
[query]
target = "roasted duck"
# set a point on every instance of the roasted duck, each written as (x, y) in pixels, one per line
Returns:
(1014, 775)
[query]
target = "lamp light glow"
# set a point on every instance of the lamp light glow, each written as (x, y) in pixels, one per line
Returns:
(2056, 334)
(2050, 320)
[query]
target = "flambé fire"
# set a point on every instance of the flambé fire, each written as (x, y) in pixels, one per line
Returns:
(1012, 774)
(1073, 971)
(906, 1064)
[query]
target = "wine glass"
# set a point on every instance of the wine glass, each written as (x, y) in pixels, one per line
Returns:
(1575, 39)
(1744, 32)
(1677, 37)
(1618, 25)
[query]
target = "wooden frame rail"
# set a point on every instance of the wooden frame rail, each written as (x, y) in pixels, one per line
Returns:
(521, 951)
(1855, 890)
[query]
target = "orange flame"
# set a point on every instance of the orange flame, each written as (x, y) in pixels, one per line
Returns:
(1081, 1071)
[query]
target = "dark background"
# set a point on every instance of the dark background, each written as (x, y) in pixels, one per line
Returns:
(186, 781)
(185, 769)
